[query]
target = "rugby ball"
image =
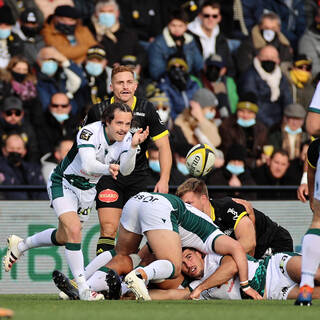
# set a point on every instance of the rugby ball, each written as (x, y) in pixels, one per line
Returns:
(200, 160)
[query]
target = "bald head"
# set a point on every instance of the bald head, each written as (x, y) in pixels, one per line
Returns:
(269, 53)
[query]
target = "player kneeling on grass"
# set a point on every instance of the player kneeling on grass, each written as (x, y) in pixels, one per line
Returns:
(104, 147)
(276, 277)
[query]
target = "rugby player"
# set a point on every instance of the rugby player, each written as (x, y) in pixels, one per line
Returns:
(256, 232)
(311, 240)
(104, 147)
(113, 194)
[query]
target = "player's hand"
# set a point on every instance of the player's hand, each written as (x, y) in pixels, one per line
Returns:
(114, 170)
(139, 137)
(303, 192)
(161, 187)
(248, 207)
(253, 294)
(196, 110)
(195, 294)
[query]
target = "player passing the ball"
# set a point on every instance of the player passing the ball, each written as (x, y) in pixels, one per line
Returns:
(104, 147)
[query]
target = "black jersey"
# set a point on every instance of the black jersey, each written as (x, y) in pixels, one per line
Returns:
(313, 153)
(144, 114)
(227, 213)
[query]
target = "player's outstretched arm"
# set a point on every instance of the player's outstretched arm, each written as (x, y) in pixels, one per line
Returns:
(170, 294)
(226, 271)
(225, 245)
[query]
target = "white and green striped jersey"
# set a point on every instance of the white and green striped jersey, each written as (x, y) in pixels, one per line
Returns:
(90, 136)
(315, 102)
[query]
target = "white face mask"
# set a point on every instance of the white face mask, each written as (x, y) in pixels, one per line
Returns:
(164, 115)
(268, 35)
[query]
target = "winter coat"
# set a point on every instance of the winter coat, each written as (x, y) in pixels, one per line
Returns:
(269, 112)
(164, 46)
(26, 174)
(78, 52)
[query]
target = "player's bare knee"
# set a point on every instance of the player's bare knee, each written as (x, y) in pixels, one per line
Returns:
(108, 230)
(74, 233)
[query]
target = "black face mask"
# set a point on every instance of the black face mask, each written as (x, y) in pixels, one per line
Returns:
(268, 65)
(178, 38)
(30, 32)
(19, 77)
(65, 28)
(14, 158)
(212, 73)
(179, 78)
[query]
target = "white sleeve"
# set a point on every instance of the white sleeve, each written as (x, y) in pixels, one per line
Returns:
(90, 164)
(128, 161)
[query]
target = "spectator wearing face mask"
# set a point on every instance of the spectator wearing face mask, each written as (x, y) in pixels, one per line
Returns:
(162, 105)
(98, 75)
(17, 171)
(13, 121)
(58, 123)
(214, 77)
(113, 35)
(18, 79)
(289, 135)
(179, 171)
(174, 40)
(64, 31)
(55, 73)
(266, 80)
(29, 31)
(267, 32)
(234, 173)
(10, 42)
(243, 128)
(195, 122)
(300, 79)
(178, 84)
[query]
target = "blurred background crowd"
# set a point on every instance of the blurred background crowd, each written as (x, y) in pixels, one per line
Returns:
(237, 75)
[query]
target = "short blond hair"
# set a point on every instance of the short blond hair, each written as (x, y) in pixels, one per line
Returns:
(192, 185)
(120, 68)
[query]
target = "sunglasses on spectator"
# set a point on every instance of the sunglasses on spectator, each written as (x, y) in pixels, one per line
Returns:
(57, 105)
(9, 113)
(214, 16)
(307, 67)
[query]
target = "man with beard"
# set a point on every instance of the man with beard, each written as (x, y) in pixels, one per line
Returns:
(113, 194)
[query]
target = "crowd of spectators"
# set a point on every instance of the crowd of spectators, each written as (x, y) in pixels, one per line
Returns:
(237, 75)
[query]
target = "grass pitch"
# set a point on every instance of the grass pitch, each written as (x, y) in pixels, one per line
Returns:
(48, 307)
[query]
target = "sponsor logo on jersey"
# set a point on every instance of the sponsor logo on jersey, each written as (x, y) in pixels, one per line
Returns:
(139, 114)
(234, 213)
(283, 260)
(108, 196)
(85, 134)
(228, 232)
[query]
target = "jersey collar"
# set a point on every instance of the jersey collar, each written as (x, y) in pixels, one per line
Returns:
(133, 104)
(106, 136)
(212, 214)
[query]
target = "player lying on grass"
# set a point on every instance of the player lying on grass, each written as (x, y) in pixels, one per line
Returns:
(103, 147)
(168, 224)
(276, 277)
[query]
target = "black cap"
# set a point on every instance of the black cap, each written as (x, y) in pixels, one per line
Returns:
(6, 15)
(96, 52)
(67, 11)
(12, 103)
(236, 152)
(215, 60)
(29, 16)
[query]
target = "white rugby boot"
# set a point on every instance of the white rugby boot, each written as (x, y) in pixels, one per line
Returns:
(13, 253)
(137, 286)
(89, 295)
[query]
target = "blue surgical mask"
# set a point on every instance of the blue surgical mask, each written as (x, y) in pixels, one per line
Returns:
(182, 168)
(154, 165)
(60, 117)
(210, 115)
(94, 68)
(49, 67)
(246, 123)
(235, 169)
(107, 19)
(288, 130)
(5, 33)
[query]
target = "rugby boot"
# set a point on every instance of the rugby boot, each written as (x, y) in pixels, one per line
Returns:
(13, 253)
(114, 283)
(305, 296)
(65, 285)
(137, 286)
